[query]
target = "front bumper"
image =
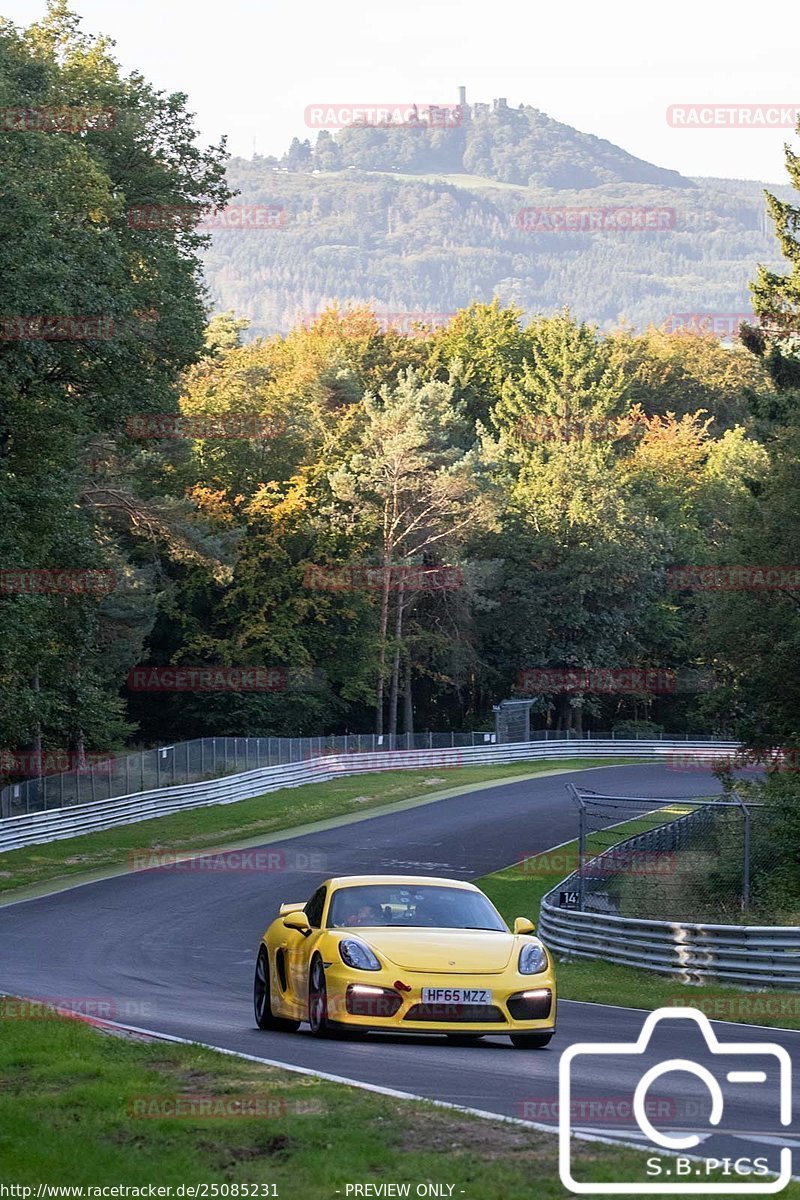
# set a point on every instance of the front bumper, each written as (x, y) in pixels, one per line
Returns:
(372, 1000)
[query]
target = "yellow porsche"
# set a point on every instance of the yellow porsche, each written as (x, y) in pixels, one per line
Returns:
(404, 953)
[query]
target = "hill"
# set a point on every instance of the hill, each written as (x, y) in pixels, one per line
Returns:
(415, 219)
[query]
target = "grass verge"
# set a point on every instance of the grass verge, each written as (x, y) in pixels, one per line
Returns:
(255, 819)
(80, 1108)
(517, 890)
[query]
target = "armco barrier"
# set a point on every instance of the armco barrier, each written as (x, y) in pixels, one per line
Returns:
(34, 828)
(754, 955)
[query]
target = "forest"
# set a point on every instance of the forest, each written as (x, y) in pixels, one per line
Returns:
(390, 529)
(432, 243)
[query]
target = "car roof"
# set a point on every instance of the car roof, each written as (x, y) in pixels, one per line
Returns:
(408, 880)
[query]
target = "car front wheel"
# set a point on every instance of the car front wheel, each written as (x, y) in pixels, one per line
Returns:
(318, 1001)
(261, 998)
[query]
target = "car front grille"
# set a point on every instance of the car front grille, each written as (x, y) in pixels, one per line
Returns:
(474, 1013)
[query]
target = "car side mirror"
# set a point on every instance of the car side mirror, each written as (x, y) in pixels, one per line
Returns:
(523, 925)
(298, 921)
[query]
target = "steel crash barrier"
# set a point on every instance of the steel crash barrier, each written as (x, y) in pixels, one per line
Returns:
(695, 953)
(30, 829)
(758, 955)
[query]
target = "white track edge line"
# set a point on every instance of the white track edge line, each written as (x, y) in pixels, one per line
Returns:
(396, 1094)
(363, 1086)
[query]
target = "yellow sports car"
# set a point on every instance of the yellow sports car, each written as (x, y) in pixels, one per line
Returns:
(409, 953)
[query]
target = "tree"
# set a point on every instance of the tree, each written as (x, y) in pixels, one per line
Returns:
(776, 297)
(481, 348)
(583, 555)
(129, 299)
(412, 487)
(686, 372)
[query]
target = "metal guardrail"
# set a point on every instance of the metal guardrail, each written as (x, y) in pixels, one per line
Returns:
(34, 828)
(694, 953)
(107, 776)
(111, 775)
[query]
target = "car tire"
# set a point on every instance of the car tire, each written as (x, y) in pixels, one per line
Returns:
(318, 1001)
(530, 1041)
(261, 998)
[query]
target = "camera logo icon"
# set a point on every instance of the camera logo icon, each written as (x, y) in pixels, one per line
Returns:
(762, 1063)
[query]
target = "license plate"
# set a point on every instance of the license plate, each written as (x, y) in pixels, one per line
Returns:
(433, 995)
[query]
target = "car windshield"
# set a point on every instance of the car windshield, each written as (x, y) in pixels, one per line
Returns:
(387, 904)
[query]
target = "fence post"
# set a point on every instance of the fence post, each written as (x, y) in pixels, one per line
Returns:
(745, 854)
(581, 854)
(576, 796)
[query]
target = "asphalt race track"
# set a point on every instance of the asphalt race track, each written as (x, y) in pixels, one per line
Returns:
(173, 950)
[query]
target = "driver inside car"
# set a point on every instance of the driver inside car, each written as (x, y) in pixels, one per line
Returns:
(367, 914)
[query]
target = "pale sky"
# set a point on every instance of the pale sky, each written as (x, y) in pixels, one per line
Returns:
(250, 67)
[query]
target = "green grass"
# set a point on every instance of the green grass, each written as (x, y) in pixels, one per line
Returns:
(255, 819)
(518, 890)
(69, 1096)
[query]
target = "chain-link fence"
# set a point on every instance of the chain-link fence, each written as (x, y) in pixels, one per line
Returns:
(691, 860)
(203, 758)
(210, 758)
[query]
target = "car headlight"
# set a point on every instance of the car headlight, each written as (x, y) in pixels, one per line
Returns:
(532, 959)
(357, 954)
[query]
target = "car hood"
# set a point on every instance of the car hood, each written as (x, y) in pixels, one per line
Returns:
(442, 951)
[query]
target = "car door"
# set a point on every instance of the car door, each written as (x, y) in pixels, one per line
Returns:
(298, 948)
